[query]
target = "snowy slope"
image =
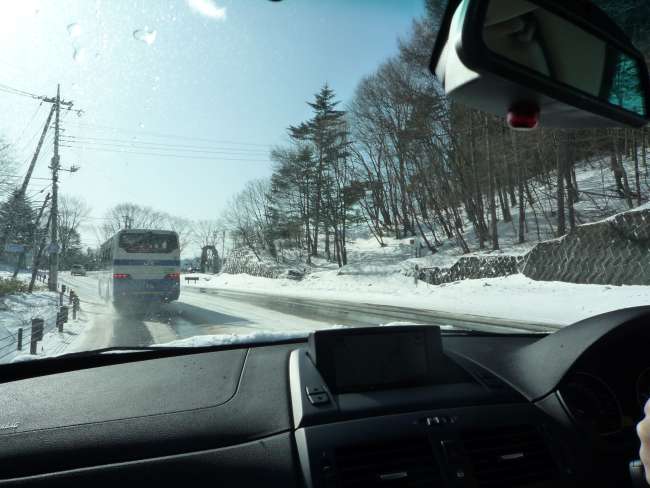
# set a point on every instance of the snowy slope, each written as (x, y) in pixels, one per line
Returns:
(375, 274)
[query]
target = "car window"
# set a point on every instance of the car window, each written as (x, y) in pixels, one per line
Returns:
(256, 170)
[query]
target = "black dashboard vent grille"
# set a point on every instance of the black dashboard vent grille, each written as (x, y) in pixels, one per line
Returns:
(509, 457)
(397, 464)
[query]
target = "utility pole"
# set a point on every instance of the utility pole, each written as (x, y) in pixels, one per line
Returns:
(28, 176)
(54, 251)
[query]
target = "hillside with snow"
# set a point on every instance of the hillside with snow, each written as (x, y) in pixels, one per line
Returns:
(376, 274)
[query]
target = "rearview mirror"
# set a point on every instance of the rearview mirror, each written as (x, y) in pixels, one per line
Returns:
(557, 64)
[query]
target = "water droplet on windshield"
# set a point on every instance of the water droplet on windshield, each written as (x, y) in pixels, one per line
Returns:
(79, 55)
(141, 125)
(74, 30)
(148, 36)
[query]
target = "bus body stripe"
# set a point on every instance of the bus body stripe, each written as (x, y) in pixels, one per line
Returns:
(146, 262)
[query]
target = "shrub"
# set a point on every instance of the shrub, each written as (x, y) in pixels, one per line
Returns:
(9, 286)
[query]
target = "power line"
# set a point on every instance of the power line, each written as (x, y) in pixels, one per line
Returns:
(14, 91)
(168, 136)
(21, 176)
(163, 155)
(84, 141)
(161, 144)
(28, 123)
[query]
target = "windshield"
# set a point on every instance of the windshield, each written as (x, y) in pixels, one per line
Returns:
(147, 242)
(205, 172)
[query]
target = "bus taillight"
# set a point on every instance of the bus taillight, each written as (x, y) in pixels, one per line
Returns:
(120, 276)
(173, 276)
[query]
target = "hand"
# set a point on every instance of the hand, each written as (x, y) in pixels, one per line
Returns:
(643, 430)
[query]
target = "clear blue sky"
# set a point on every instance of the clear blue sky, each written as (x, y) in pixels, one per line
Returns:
(232, 73)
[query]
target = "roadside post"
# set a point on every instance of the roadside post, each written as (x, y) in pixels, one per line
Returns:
(63, 288)
(75, 307)
(416, 275)
(37, 334)
(59, 320)
(20, 339)
(71, 297)
(60, 299)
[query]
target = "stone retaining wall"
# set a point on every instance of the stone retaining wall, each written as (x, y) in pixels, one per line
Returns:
(612, 252)
(472, 268)
(615, 251)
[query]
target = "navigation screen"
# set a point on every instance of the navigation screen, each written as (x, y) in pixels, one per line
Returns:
(390, 359)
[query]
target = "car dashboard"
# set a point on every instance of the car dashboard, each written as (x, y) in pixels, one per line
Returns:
(511, 410)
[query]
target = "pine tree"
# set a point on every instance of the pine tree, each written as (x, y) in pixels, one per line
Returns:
(323, 132)
(17, 220)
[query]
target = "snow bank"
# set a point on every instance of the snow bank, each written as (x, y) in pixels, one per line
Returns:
(512, 297)
(19, 310)
(235, 339)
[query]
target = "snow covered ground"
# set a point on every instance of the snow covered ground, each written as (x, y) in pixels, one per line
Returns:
(17, 311)
(375, 274)
(513, 297)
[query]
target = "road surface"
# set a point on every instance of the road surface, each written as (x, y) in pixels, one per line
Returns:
(209, 311)
(194, 314)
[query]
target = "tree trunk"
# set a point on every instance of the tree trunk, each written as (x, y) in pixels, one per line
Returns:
(328, 254)
(337, 249)
(505, 204)
(491, 178)
(511, 181)
(643, 153)
(520, 187)
(637, 174)
(562, 150)
(570, 195)
(477, 201)
(459, 231)
(620, 174)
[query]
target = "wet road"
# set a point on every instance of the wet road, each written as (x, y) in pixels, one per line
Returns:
(194, 314)
(209, 311)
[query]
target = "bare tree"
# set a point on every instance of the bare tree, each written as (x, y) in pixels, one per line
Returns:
(249, 218)
(208, 232)
(132, 216)
(182, 226)
(73, 212)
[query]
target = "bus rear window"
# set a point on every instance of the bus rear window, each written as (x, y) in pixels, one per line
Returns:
(151, 243)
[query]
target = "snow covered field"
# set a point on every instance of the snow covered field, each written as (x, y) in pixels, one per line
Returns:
(17, 311)
(513, 297)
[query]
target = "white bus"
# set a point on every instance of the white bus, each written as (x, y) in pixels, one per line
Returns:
(140, 266)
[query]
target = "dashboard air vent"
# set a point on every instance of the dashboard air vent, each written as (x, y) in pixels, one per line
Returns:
(397, 464)
(509, 457)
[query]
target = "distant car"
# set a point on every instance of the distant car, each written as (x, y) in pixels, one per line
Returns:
(77, 270)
